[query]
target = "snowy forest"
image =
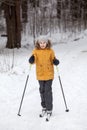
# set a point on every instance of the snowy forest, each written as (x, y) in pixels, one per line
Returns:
(40, 17)
(64, 23)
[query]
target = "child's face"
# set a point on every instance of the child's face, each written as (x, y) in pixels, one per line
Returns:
(42, 44)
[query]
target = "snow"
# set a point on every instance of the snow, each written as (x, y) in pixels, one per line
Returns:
(73, 73)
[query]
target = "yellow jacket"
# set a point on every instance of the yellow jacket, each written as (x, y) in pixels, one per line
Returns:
(44, 63)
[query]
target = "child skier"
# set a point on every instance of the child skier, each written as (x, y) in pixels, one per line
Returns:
(44, 58)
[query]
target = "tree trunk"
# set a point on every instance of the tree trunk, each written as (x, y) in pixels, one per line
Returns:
(18, 24)
(24, 11)
(12, 15)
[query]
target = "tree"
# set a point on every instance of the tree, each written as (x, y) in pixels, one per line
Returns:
(13, 23)
(24, 11)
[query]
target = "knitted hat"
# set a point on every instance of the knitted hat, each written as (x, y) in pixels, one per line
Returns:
(42, 38)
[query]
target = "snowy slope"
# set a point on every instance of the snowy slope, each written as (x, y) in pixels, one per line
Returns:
(73, 73)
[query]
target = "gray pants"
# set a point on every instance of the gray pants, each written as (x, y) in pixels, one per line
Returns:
(46, 94)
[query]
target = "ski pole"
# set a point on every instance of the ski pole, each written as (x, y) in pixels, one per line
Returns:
(24, 92)
(67, 110)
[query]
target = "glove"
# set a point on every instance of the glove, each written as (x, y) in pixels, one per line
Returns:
(55, 61)
(31, 59)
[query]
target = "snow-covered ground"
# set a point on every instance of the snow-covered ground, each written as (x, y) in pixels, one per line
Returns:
(73, 73)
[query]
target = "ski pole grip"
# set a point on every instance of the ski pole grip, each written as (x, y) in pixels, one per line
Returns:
(57, 70)
(30, 65)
